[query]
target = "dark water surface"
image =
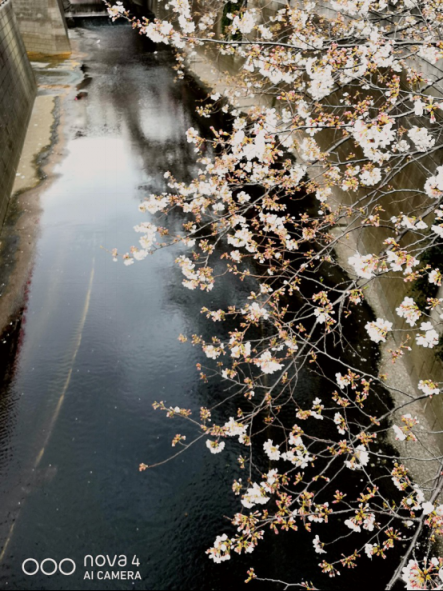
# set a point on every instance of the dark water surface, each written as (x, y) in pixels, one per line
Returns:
(98, 345)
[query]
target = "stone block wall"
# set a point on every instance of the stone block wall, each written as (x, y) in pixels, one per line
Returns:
(43, 26)
(17, 93)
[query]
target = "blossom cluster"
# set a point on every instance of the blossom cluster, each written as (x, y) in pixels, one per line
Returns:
(314, 204)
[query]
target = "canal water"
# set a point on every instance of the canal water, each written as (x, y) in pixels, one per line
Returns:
(98, 345)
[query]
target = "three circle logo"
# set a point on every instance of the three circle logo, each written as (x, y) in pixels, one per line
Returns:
(48, 566)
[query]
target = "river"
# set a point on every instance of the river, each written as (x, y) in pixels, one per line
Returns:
(98, 345)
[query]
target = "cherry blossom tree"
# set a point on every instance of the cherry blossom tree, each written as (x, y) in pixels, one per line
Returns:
(324, 184)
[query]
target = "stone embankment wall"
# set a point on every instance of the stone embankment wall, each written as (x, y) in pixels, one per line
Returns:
(17, 93)
(43, 26)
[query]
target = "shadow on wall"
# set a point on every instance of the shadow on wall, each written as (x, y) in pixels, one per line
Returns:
(17, 93)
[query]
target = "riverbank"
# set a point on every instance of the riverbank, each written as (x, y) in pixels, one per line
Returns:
(43, 149)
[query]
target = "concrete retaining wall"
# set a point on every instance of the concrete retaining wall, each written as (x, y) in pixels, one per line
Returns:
(17, 93)
(43, 26)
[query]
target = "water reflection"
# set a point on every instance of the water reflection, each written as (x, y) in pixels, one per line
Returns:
(96, 354)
